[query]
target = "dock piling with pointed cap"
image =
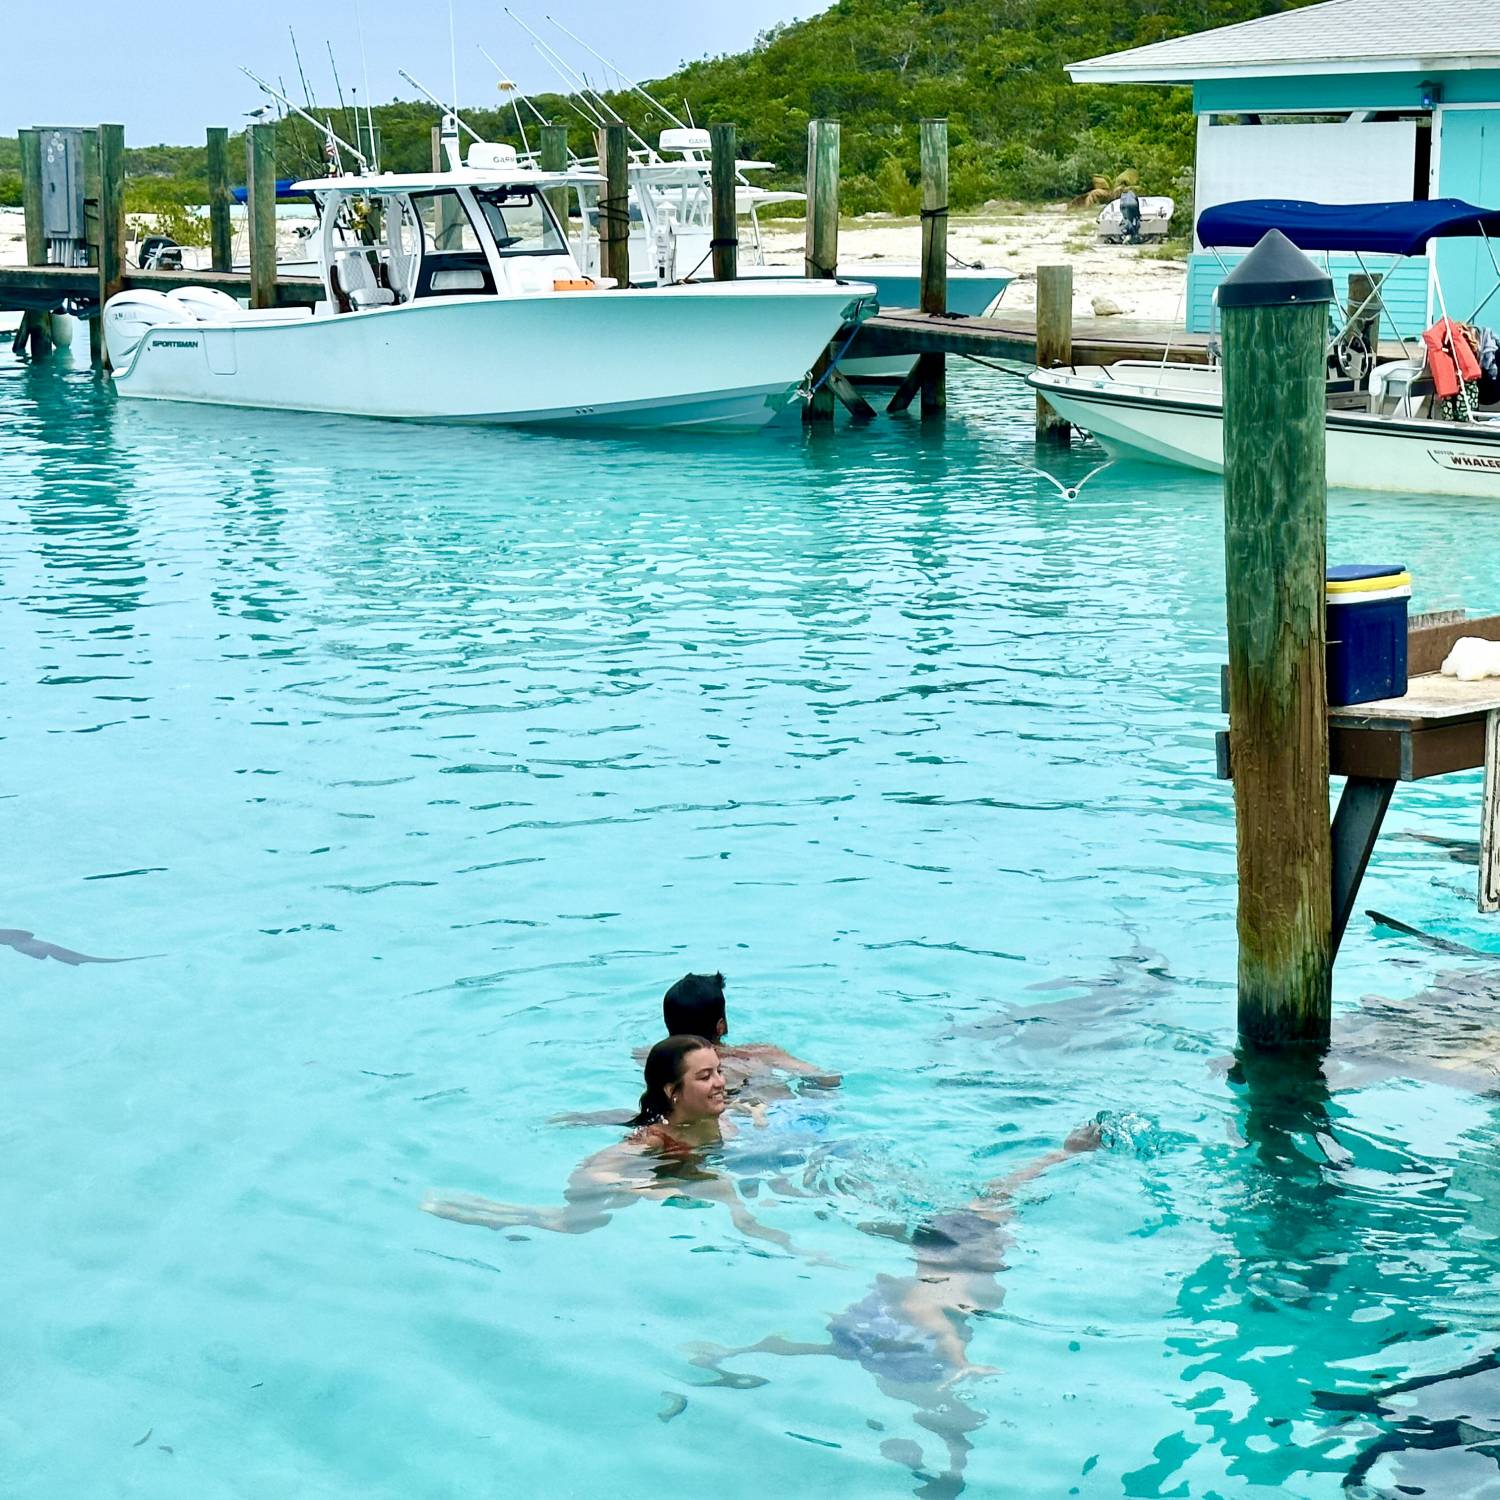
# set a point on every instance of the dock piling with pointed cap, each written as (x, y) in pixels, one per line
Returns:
(614, 205)
(934, 257)
(725, 245)
(260, 206)
(219, 235)
(821, 251)
(1274, 312)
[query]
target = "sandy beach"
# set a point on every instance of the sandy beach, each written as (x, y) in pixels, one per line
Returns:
(1018, 240)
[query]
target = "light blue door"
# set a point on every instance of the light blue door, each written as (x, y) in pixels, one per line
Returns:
(1469, 167)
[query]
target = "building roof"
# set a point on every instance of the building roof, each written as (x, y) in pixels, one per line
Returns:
(1339, 36)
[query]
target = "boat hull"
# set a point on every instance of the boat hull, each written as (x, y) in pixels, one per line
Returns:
(676, 357)
(1182, 424)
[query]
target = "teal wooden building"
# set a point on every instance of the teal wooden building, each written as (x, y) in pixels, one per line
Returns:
(1350, 101)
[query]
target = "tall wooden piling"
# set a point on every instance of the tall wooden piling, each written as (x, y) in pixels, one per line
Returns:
(1273, 308)
(614, 204)
(260, 205)
(110, 154)
(724, 151)
(1054, 342)
(31, 196)
(821, 247)
(934, 373)
(553, 157)
(220, 238)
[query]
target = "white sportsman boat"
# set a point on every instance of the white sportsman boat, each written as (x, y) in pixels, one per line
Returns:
(1385, 431)
(453, 297)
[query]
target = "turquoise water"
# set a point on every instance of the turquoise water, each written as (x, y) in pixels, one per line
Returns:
(410, 766)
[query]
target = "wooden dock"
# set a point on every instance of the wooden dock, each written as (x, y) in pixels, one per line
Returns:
(1010, 337)
(42, 288)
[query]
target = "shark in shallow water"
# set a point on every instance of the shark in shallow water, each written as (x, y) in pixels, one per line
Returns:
(34, 947)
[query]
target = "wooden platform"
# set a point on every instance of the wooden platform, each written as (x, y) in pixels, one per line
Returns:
(26, 288)
(1011, 336)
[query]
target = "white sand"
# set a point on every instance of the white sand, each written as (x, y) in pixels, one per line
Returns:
(1017, 241)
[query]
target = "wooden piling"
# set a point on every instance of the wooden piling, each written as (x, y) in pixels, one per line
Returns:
(260, 206)
(1273, 309)
(220, 236)
(553, 157)
(821, 252)
(614, 205)
(110, 149)
(934, 373)
(725, 245)
(1054, 342)
(31, 196)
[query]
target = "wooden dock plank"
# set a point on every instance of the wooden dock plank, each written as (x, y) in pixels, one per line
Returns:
(1012, 336)
(30, 282)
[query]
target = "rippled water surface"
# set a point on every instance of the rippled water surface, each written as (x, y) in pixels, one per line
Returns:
(409, 766)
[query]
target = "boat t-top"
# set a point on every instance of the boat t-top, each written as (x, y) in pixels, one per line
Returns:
(453, 296)
(1410, 425)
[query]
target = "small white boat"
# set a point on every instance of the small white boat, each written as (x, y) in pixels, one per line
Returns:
(1384, 432)
(1156, 221)
(453, 297)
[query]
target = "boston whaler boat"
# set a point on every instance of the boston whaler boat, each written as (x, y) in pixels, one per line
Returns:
(1387, 427)
(453, 296)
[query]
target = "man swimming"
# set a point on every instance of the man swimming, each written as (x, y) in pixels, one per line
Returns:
(695, 1005)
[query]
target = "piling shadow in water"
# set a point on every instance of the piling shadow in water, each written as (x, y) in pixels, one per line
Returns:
(34, 947)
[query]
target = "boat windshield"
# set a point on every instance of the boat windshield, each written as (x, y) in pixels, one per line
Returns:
(519, 221)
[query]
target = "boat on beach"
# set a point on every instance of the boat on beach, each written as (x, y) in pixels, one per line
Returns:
(1385, 427)
(454, 297)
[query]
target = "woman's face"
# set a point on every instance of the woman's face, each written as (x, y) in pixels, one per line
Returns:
(699, 1093)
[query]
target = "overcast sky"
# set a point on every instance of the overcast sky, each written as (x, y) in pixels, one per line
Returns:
(167, 71)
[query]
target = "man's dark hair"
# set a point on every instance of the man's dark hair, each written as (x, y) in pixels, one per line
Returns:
(694, 1006)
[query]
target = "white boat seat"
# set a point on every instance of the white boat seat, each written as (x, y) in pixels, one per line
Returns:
(357, 278)
(458, 281)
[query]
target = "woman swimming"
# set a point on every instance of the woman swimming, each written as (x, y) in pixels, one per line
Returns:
(681, 1114)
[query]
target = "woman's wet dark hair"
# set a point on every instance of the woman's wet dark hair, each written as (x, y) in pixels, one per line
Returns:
(663, 1069)
(694, 1005)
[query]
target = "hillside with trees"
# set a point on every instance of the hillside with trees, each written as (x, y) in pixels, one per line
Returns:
(1018, 129)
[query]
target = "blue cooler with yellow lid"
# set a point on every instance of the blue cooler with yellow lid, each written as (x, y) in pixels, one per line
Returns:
(1367, 606)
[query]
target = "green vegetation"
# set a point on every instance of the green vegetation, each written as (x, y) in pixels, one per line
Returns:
(1018, 129)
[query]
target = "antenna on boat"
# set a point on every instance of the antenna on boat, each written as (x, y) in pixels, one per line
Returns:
(633, 85)
(453, 58)
(364, 62)
(433, 99)
(689, 108)
(319, 125)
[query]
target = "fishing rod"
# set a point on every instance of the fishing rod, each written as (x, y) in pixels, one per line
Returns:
(337, 86)
(433, 99)
(322, 126)
(566, 71)
(297, 58)
(630, 82)
(364, 62)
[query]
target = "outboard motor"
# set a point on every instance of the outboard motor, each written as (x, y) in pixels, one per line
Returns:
(160, 252)
(130, 316)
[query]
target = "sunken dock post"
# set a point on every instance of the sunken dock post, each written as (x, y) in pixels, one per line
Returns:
(614, 205)
(1054, 343)
(821, 251)
(934, 374)
(724, 153)
(552, 156)
(1274, 311)
(111, 157)
(260, 205)
(219, 236)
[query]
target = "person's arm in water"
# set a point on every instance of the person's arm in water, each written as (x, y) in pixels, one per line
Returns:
(766, 1056)
(994, 1200)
